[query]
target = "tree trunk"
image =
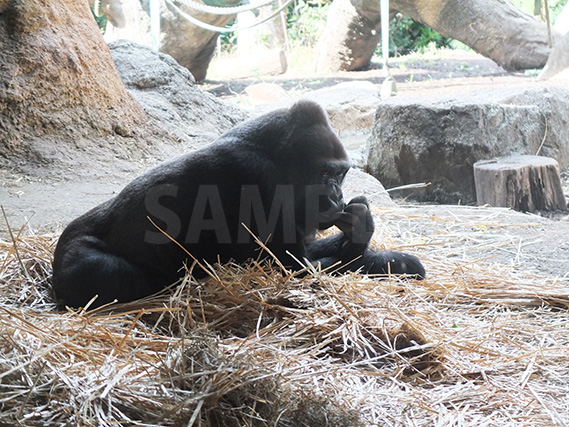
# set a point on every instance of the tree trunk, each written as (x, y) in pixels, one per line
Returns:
(351, 35)
(558, 60)
(523, 183)
(562, 22)
(493, 28)
(57, 77)
(191, 46)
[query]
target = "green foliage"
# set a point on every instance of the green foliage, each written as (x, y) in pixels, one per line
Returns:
(555, 7)
(100, 20)
(228, 40)
(406, 35)
(306, 21)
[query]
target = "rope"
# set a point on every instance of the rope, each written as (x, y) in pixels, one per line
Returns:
(209, 27)
(229, 10)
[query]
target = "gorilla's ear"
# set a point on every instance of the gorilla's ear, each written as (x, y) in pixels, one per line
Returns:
(306, 112)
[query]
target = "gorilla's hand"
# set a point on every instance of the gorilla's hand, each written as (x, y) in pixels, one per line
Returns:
(393, 262)
(356, 221)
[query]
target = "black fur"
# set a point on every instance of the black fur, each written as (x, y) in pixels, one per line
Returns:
(290, 155)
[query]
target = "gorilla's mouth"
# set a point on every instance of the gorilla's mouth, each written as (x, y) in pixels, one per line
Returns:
(329, 211)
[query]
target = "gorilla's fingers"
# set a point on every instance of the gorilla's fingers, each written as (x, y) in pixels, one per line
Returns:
(347, 223)
(356, 221)
(359, 200)
(357, 209)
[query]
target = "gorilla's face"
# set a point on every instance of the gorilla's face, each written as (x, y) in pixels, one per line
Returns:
(319, 168)
(325, 200)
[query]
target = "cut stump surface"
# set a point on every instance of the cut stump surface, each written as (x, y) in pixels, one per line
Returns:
(523, 183)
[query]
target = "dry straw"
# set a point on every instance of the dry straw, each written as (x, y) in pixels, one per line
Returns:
(477, 343)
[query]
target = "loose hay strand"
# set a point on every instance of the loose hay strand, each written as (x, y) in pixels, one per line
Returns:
(473, 344)
(14, 243)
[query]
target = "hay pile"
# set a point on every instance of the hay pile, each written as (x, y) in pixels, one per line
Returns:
(474, 344)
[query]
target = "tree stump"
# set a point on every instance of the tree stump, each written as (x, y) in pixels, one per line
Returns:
(523, 183)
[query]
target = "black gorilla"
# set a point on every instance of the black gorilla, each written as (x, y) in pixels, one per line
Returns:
(279, 175)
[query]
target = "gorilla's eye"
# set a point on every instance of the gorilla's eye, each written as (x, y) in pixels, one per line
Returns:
(333, 173)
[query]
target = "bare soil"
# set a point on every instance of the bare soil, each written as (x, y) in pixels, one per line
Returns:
(433, 73)
(49, 199)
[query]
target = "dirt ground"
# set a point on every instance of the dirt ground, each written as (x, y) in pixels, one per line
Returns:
(45, 202)
(442, 71)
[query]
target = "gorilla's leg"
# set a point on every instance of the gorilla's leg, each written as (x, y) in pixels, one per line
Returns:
(87, 269)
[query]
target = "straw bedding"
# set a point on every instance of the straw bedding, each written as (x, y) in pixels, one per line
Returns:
(476, 343)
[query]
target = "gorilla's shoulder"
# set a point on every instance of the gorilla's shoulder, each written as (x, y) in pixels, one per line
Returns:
(253, 145)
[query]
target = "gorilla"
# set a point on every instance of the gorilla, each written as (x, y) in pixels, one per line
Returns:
(277, 177)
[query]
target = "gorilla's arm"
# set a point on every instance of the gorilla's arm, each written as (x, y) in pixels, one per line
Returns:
(349, 250)
(356, 224)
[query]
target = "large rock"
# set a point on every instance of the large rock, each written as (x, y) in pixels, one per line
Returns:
(169, 95)
(359, 183)
(437, 141)
(553, 104)
(350, 106)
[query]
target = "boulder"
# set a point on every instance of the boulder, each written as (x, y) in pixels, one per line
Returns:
(350, 105)
(438, 140)
(553, 104)
(169, 95)
(359, 183)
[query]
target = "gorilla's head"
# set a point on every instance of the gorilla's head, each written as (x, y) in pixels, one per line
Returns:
(315, 162)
